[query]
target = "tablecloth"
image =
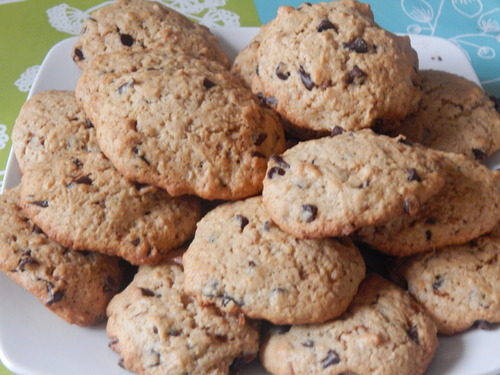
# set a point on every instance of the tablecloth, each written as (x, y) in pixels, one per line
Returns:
(28, 28)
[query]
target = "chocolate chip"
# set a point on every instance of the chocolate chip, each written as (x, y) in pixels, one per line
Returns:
(356, 75)
(275, 171)
(85, 180)
(479, 154)
(308, 343)
(324, 25)
(78, 163)
(208, 84)
(125, 86)
(404, 141)
(37, 229)
(309, 213)
(280, 161)
(483, 324)
(271, 101)
(110, 285)
(257, 154)
(147, 292)
(226, 300)
(306, 78)
(26, 259)
(438, 282)
(413, 175)
(266, 226)
(54, 296)
(413, 334)
(43, 204)
(332, 358)
(140, 186)
(337, 130)
(496, 102)
(281, 72)
(302, 5)
(126, 40)
(257, 72)
(357, 45)
(428, 235)
(136, 242)
(88, 124)
(174, 333)
(252, 264)
(78, 55)
(242, 221)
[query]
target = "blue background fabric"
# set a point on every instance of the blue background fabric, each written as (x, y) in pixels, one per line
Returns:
(473, 25)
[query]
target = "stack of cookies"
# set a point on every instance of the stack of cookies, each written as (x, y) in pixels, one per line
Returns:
(261, 209)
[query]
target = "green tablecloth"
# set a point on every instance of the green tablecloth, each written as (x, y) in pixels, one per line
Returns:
(28, 29)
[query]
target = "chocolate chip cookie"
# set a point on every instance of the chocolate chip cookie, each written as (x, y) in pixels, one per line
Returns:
(384, 332)
(186, 125)
(466, 207)
(75, 285)
(329, 64)
(158, 329)
(241, 261)
(82, 202)
(454, 115)
(138, 25)
(459, 285)
(334, 185)
(48, 124)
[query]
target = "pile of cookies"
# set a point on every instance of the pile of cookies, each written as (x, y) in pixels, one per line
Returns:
(261, 209)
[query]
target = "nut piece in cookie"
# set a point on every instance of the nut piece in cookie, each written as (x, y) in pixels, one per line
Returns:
(158, 329)
(242, 262)
(75, 285)
(335, 185)
(384, 332)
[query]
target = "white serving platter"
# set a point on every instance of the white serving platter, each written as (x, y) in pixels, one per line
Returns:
(34, 341)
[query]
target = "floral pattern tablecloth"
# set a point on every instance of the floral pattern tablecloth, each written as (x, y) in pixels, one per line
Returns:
(28, 28)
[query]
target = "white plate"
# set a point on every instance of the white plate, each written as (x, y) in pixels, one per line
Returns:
(34, 341)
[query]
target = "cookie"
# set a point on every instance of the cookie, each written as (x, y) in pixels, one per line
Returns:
(454, 115)
(459, 285)
(241, 261)
(51, 123)
(76, 286)
(329, 64)
(158, 329)
(138, 25)
(334, 185)
(82, 202)
(384, 332)
(186, 125)
(466, 207)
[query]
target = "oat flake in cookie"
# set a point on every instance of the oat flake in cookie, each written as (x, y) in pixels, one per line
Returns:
(241, 261)
(459, 285)
(454, 115)
(334, 185)
(82, 202)
(184, 124)
(157, 329)
(384, 332)
(466, 207)
(49, 124)
(137, 25)
(329, 64)
(76, 286)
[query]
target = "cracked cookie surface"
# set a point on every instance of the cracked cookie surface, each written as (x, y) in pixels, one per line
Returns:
(75, 285)
(329, 64)
(334, 185)
(241, 261)
(158, 329)
(454, 115)
(83, 202)
(459, 285)
(137, 25)
(466, 207)
(184, 124)
(384, 332)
